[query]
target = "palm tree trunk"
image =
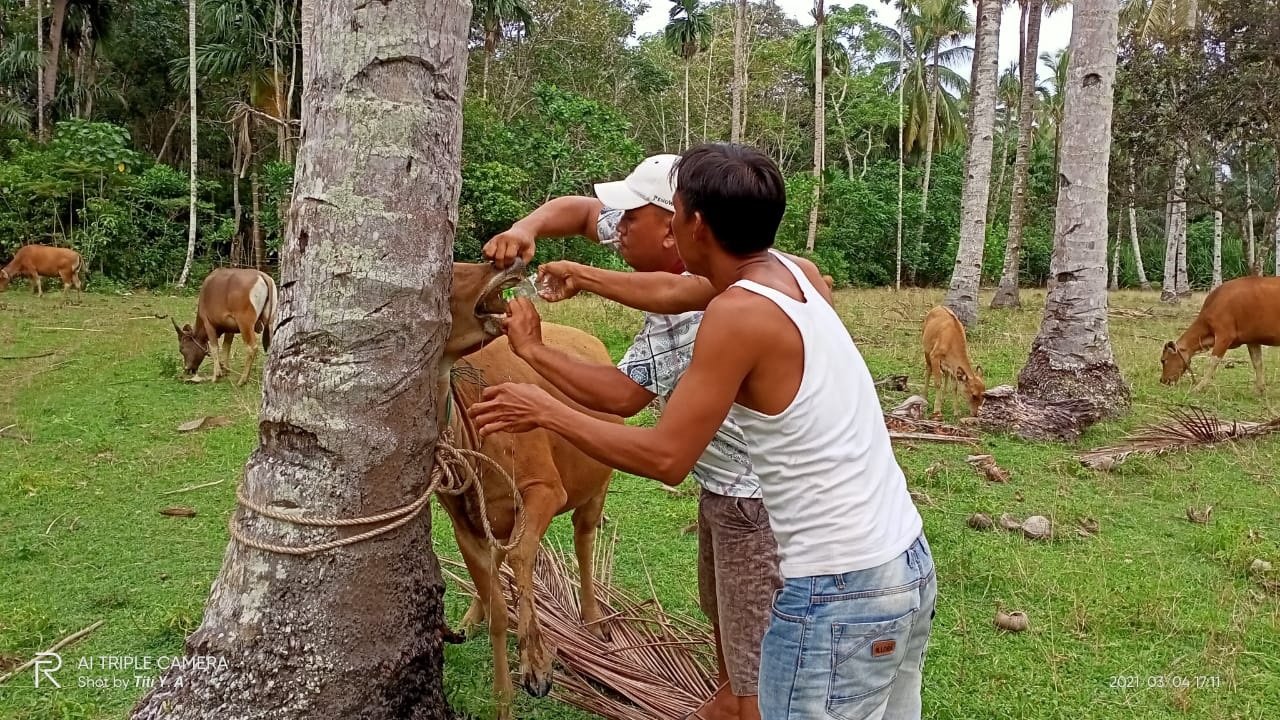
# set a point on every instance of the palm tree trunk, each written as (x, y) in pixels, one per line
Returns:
(57, 17)
(357, 632)
(1007, 291)
(237, 240)
(1115, 259)
(929, 126)
(844, 133)
(195, 142)
(1169, 286)
(706, 95)
(1252, 247)
(40, 130)
(819, 124)
(1071, 357)
(966, 277)
(739, 68)
(687, 63)
(1217, 222)
(1133, 231)
(902, 156)
(994, 200)
(1183, 285)
(259, 252)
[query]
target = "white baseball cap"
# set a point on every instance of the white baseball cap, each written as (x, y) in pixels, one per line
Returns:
(652, 182)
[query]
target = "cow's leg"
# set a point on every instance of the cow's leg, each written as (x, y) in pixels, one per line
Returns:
(928, 378)
(251, 342)
(226, 349)
(585, 521)
(1220, 348)
(502, 689)
(1255, 355)
(66, 276)
(37, 285)
(541, 503)
(476, 555)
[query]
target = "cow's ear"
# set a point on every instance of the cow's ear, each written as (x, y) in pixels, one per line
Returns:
(186, 329)
(977, 369)
(961, 375)
(1170, 346)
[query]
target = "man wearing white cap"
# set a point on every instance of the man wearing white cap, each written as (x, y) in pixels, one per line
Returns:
(737, 554)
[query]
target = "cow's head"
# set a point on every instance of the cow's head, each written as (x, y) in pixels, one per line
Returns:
(193, 351)
(974, 387)
(1173, 363)
(4, 280)
(477, 306)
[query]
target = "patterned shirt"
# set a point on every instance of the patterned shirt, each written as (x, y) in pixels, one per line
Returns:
(656, 360)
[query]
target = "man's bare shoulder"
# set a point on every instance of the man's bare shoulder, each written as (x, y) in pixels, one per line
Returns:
(747, 313)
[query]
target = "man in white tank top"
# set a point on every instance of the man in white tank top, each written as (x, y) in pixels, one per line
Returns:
(850, 625)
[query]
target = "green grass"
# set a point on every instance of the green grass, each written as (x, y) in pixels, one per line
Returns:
(1152, 596)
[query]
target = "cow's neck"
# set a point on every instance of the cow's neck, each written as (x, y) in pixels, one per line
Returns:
(1195, 339)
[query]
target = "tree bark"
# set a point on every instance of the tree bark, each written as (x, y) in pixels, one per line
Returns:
(1252, 247)
(739, 68)
(1183, 285)
(819, 124)
(966, 277)
(687, 63)
(49, 81)
(259, 252)
(40, 109)
(348, 423)
(1169, 286)
(1133, 232)
(195, 142)
(1115, 260)
(1071, 356)
(1217, 222)
(1007, 291)
(902, 155)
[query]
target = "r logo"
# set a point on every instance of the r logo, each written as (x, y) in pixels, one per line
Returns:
(47, 663)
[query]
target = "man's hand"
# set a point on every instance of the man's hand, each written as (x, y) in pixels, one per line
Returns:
(561, 280)
(523, 326)
(503, 248)
(513, 408)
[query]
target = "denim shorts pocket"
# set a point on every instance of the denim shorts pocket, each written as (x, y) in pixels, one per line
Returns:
(864, 663)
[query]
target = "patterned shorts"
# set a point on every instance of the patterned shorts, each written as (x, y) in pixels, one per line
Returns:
(737, 576)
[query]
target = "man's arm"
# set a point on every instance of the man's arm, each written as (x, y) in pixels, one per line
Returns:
(561, 217)
(662, 293)
(725, 352)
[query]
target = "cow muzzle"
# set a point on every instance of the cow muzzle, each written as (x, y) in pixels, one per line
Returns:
(491, 307)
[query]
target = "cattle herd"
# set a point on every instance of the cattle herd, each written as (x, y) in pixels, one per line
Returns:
(554, 477)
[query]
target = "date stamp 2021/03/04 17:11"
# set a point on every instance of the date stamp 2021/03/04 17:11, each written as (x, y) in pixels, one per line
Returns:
(1189, 682)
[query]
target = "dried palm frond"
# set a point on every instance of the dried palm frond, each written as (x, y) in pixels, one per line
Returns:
(655, 665)
(1184, 430)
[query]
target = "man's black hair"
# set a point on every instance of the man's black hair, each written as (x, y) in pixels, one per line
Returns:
(739, 191)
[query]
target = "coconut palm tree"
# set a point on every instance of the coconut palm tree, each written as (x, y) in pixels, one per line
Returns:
(1053, 97)
(687, 33)
(962, 297)
(492, 20)
(1071, 356)
(1008, 92)
(195, 144)
(739, 68)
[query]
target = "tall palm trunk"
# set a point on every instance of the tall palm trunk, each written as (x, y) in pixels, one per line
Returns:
(49, 79)
(1169, 286)
(966, 277)
(354, 632)
(1217, 223)
(930, 122)
(706, 93)
(902, 154)
(1183, 285)
(1007, 291)
(259, 252)
(1252, 246)
(819, 124)
(40, 70)
(739, 68)
(1115, 259)
(687, 63)
(1133, 231)
(195, 142)
(1071, 357)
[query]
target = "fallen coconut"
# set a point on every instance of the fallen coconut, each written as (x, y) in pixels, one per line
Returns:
(1015, 621)
(1009, 522)
(1037, 527)
(980, 521)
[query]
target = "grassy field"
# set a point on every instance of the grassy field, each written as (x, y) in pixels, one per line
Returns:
(1155, 617)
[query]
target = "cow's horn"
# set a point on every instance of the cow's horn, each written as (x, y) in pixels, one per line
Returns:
(175, 325)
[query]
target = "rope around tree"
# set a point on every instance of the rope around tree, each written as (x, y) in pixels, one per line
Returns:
(455, 471)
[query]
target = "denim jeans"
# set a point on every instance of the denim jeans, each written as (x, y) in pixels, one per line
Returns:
(850, 646)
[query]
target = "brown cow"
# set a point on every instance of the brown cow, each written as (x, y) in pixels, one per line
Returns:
(36, 261)
(232, 300)
(946, 355)
(830, 281)
(1244, 311)
(553, 476)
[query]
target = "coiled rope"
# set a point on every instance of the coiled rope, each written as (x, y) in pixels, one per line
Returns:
(455, 471)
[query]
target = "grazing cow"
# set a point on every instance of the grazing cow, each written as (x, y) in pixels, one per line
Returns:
(232, 300)
(830, 281)
(36, 261)
(1244, 311)
(553, 476)
(946, 355)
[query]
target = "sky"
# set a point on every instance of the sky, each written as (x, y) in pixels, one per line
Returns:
(1055, 30)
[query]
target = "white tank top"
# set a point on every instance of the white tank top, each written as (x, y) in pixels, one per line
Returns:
(836, 498)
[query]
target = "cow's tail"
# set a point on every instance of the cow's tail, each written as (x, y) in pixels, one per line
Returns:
(80, 271)
(268, 316)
